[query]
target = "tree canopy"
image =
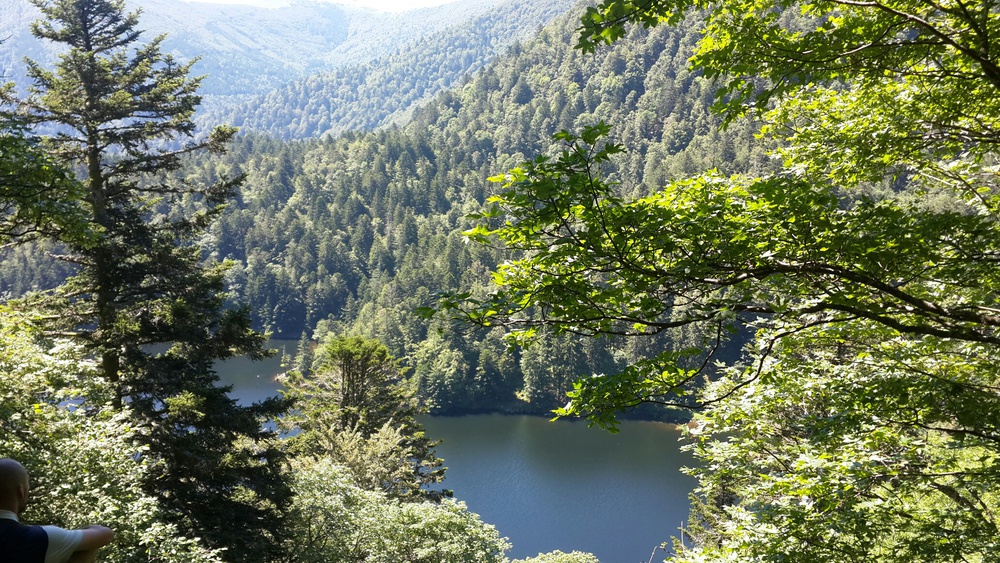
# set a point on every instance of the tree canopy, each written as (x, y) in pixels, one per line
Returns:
(354, 407)
(860, 422)
(35, 190)
(120, 116)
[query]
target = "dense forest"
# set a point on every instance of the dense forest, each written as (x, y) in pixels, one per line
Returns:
(360, 97)
(109, 393)
(355, 233)
(775, 218)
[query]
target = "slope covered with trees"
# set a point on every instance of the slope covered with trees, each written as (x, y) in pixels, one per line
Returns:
(248, 50)
(354, 233)
(385, 90)
(107, 386)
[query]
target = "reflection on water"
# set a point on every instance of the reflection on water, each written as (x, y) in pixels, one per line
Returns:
(254, 381)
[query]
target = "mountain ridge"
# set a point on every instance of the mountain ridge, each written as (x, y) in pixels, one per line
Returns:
(249, 50)
(386, 90)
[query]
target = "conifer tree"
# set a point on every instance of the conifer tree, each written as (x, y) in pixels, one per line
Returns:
(121, 112)
(356, 388)
(34, 191)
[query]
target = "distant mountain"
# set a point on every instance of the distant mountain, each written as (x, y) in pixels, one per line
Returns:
(387, 89)
(248, 50)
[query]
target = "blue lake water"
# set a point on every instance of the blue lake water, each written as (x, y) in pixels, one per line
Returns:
(565, 486)
(544, 485)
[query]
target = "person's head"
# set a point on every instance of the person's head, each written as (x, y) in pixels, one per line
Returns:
(13, 486)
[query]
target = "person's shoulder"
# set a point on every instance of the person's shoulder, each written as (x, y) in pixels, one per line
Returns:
(20, 542)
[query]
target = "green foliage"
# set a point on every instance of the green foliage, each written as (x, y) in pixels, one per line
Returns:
(859, 424)
(430, 532)
(56, 418)
(859, 90)
(709, 248)
(852, 440)
(605, 23)
(332, 519)
(354, 408)
(559, 557)
(869, 306)
(35, 191)
(550, 366)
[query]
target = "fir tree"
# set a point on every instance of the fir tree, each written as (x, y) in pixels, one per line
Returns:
(121, 111)
(35, 192)
(356, 388)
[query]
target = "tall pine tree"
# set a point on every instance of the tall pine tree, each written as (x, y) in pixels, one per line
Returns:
(156, 317)
(36, 194)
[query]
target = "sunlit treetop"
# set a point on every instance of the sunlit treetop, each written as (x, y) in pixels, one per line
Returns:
(799, 43)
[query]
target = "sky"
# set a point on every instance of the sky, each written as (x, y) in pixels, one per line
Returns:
(393, 5)
(381, 5)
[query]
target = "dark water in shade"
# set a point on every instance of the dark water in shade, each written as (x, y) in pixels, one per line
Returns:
(545, 485)
(254, 381)
(564, 486)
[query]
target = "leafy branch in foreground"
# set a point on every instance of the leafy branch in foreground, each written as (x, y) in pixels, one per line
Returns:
(728, 252)
(861, 423)
(858, 90)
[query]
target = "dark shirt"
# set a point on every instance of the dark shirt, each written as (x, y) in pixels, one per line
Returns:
(22, 544)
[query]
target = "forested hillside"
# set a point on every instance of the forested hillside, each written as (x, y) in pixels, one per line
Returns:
(355, 232)
(112, 408)
(848, 254)
(362, 96)
(249, 50)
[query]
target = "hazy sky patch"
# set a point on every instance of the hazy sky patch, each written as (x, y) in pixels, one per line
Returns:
(393, 5)
(380, 5)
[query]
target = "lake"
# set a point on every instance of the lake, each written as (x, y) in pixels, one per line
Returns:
(547, 486)
(565, 486)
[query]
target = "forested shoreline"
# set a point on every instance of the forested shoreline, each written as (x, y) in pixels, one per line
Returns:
(109, 392)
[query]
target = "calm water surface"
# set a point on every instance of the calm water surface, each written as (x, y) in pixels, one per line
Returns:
(546, 486)
(254, 381)
(564, 486)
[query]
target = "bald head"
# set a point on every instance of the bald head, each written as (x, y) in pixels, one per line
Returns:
(13, 486)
